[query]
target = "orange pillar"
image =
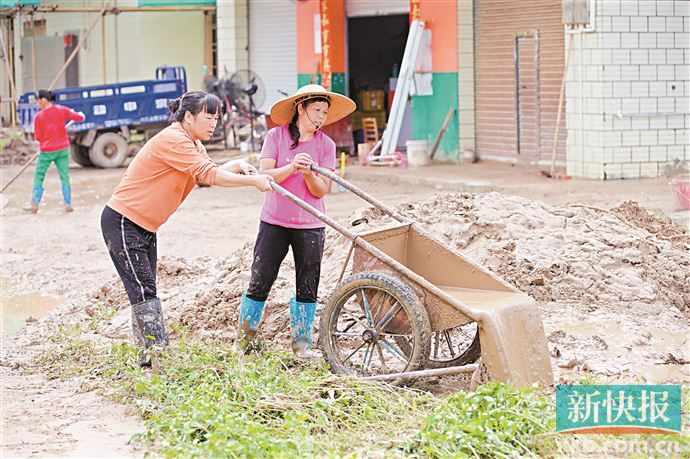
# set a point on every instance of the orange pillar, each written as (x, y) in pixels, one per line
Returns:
(321, 43)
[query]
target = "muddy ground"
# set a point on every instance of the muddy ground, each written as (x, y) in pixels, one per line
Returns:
(610, 279)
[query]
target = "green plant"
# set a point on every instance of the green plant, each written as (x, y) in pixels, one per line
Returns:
(9, 138)
(497, 420)
(205, 402)
(103, 314)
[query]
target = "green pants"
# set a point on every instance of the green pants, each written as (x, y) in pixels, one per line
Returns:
(61, 160)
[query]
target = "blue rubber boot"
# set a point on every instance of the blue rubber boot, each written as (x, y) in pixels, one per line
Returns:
(67, 198)
(302, 317)
(36, 195)
(248, 324)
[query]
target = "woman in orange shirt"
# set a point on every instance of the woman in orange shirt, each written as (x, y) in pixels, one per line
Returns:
(155, 184)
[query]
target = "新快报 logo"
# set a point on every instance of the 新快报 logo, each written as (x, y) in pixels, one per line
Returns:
(618, 409)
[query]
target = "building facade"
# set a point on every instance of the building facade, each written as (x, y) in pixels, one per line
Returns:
(121, 47)
(628, 90)
(498, 65)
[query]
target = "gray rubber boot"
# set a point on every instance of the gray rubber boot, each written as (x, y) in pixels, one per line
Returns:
(149, 329)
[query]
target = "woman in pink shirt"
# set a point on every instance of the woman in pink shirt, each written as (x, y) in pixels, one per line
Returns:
(287, 154)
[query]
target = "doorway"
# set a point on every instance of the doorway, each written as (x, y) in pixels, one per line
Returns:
(527, 97)
(72, 72)
(375, 47)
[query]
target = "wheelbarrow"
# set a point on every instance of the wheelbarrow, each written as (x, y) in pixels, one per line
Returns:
(412, 306)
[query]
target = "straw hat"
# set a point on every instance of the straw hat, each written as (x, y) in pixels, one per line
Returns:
(341, 106)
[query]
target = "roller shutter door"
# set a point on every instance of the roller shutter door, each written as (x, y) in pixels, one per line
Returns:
(363, 8)
(273, 47)
(519, 59)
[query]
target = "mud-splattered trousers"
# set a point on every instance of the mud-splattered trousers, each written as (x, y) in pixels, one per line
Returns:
(270, 250)
(133, 251)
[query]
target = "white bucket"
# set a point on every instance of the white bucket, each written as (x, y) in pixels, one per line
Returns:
(417, 152)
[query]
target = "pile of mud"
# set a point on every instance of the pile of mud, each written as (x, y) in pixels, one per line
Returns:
(568, 254)
(17, 151)
(622, 260)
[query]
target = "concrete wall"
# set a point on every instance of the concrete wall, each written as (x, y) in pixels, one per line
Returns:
(144, 41)
(173, 39)
(124, 62)
(635, 91)
(232, 36)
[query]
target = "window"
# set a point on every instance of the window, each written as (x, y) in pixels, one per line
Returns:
(165, 87)
(132, 89)
(101, 92)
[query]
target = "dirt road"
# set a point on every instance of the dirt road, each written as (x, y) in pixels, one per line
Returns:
(59, 258)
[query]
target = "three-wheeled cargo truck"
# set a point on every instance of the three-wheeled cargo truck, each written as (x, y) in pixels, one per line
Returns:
(113, 113)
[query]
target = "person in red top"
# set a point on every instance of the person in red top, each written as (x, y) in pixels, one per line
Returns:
(51, 132)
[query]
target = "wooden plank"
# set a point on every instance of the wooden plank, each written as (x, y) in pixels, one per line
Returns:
(437, 142)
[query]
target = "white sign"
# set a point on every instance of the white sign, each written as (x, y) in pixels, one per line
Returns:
(317, 34)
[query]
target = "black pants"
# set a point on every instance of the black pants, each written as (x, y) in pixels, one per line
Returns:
(133, 251)
(270, 249)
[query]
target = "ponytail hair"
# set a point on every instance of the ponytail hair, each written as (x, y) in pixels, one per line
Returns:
(193, 102)
(294, 131)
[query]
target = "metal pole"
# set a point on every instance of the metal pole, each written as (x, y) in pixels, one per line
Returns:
(103, 50)
(117, 49)
(33, 54)
(444, 126)
(114, 10)
(378, 253)
(424, 373)
(17, 61)
(402, 90)
(368, 198)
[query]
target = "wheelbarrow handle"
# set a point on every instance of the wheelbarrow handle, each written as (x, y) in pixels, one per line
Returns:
(376, 252)
(315, 212)
(367, 197)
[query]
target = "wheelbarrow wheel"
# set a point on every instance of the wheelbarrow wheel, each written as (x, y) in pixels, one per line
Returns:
(452, 347)
(365, 318)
